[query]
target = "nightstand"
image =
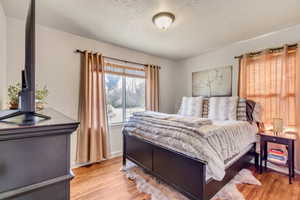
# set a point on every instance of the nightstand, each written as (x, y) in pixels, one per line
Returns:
(287, 139)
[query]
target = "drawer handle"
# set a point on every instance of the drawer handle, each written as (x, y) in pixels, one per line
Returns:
(274, 140)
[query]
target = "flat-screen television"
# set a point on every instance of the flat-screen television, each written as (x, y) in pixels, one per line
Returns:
(26, 112)
(27, 95)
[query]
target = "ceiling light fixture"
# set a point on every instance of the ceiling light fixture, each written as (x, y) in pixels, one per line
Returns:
(163, 20)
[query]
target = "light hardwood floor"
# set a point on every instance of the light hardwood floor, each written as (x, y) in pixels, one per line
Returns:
(104, 181)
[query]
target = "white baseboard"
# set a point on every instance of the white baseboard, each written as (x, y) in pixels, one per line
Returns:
(115, 154)
(283, 170)
(277, 168)
(112, 155)
(83, 164)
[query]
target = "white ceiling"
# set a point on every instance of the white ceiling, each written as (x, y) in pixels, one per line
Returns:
(200, 25)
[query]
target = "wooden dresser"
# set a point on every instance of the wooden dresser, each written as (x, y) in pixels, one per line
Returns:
(35, 159)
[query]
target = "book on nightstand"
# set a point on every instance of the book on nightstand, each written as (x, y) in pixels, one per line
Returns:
(277, 156)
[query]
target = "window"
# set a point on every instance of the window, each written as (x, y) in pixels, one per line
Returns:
(125, 92)
(114, 97)
(270, 79)
(135, 95)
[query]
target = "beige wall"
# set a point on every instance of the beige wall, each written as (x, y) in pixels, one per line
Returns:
(58, 68)
(225, 56)
(2, 57)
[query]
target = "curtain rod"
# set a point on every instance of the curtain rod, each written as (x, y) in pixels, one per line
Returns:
(117, 59)
(272, 49)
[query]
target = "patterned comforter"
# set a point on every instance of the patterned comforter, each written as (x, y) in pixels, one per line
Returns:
(211, 141)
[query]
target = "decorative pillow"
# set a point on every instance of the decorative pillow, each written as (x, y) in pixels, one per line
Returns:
(223, 108)
(242, 110)
(205, 107)
(250, 106)
(191, 106)
(257, 113)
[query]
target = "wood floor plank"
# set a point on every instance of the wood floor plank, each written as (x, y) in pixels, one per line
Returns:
(106, 181)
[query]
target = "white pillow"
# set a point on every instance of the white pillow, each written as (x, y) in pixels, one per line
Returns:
(191, 106)
(223, 108)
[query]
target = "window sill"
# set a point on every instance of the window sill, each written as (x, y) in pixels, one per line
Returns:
(116, 124)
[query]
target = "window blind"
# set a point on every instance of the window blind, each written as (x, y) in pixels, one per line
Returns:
(270, 79)
(124, 69)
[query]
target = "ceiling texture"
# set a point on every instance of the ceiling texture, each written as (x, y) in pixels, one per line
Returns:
(200, 25)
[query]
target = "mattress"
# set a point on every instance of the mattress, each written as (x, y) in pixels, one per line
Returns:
(229, 162)
(232, 160)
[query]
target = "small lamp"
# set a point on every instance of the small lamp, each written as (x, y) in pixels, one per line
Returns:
(277, 125)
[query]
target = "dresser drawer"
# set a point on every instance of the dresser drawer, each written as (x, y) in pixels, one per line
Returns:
(57, 191)
(276, 140)
(29, 161)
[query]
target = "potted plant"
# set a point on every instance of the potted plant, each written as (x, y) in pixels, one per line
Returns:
(40, 98)
(13, 96)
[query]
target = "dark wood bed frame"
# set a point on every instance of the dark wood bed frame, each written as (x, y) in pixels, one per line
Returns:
(184, 173)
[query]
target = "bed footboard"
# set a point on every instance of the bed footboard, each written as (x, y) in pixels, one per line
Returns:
(184, 173)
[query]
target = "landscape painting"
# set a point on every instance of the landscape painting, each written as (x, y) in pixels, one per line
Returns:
(213, 82)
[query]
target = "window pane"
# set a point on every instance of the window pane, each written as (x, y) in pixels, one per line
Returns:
(135, 95)
(113, 84)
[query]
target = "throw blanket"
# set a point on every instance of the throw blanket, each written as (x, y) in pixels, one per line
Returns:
(197, 137)
(169, 118)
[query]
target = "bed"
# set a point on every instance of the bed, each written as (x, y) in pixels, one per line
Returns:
(184, 169)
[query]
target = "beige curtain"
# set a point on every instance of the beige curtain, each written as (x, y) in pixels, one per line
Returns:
(272, 79)
(152, 90)
(91, 138)
(297, 109)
